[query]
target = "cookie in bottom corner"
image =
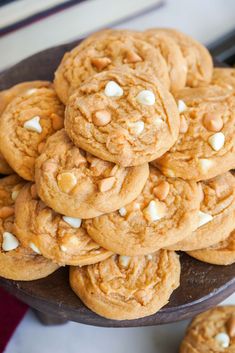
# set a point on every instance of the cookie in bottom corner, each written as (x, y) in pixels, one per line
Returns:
(212, 331)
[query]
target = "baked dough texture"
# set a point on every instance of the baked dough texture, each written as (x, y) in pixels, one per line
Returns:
(56, 239)
(198, 58)
(218, 201)
(20, 263)
(206, 147)
(107, 50)
(132, 231)
(201, 335)
(19, 143)
(134, 132)
(222, 253)
(171, 52)
(76, 184)
(6, 97)
(224, 77)
(129, 288)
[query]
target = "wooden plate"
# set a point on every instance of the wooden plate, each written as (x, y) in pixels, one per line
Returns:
(202, 285)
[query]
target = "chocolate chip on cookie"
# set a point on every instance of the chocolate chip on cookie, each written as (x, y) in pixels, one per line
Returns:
(165, 212)
(125, 288)
(61, 239)
(17, 262)
(206, 148)
(104, 51)
(211, 332)
(216, 219)
(33, 114)
(77, 184)
(123, 117)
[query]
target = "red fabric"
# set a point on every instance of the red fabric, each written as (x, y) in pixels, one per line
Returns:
(11, 313)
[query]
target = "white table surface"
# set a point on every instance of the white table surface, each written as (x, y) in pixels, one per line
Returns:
(206, 21)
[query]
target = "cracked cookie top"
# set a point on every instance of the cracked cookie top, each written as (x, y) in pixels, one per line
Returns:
(33, 115)
(123, 117)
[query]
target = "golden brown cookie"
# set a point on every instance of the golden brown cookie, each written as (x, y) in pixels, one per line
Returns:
(206, 144)
(123, 117)
(5, 98)
(224, 77)
(61, 239)
(125, 288)
(222, 253)
(165, 211)
(105, 51)
(171, 52)
(17, 262)
(33, 115)
(216, 215)
(76, 184)
(4, 166)
(211, 332)
(198, 58)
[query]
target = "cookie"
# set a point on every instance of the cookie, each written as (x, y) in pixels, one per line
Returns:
(62, 239)
(212, 331)
(224, 77)
(106, 51)
(5, 98)
(4, 166)
(17, 262)
(216, 215)
(198, 58)
(125, 288)
(205, 147)
(165, 211)
(76, 184)
(123, 117)
(33, 115)
(171, 52)
(222, 253)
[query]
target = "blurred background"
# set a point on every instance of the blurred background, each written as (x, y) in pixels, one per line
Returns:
(28, 26)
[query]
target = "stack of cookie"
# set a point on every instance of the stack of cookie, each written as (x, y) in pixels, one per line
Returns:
(135, 168)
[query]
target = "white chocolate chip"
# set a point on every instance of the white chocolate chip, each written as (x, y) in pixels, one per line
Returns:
(136, 206)
(154, 211)
(216, 141)
(169, 172)
(149, 257)
(204, 218)
(205, 164)
(181, 106)
(73, 222)
(34, 248)
(146, 97)
(112, 89)
(223, 339)
(10, 242)
(14, 194)
(158, 121)
(122, 211)
(33, 125)
(137, 128)
(31, 91)
(63, 248)
(124, 260)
